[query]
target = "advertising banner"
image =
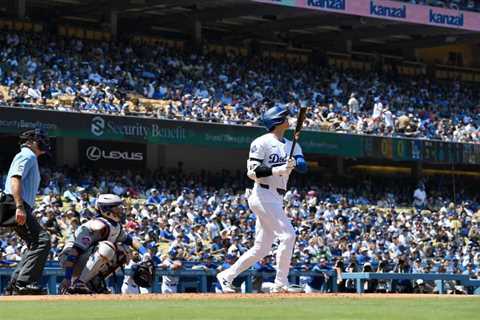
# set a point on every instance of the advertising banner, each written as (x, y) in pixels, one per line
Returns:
(391, 10)
(104, 154)
(141, 131)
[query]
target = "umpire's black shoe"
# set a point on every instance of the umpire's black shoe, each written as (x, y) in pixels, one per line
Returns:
(28, 290)
(9, 289)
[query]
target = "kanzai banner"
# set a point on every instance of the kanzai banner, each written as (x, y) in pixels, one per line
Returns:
(391, 10)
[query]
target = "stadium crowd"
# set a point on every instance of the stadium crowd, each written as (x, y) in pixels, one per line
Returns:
(204, 221)
(125, 78)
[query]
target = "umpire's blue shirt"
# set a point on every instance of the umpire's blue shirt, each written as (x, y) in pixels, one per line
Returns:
(25, 165)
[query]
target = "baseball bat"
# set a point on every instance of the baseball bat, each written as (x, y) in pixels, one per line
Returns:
(298, 128)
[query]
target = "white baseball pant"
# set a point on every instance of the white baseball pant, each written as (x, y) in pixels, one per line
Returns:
(271, 221)
(128, 288)
(169, 288)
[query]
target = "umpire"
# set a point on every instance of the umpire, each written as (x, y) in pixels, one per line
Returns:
(23, 181)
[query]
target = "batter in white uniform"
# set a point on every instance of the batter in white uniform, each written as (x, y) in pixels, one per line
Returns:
(269, 166)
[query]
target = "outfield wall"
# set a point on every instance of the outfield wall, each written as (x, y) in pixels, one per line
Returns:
(203, 136)
(121, 155)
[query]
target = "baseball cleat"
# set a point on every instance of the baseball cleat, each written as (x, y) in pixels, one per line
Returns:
(79, 287)
(227, 286)
(27, 290)
(287, 289)
(279, 289)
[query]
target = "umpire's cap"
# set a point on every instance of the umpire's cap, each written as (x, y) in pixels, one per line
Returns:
(274, 116)
(37, 135)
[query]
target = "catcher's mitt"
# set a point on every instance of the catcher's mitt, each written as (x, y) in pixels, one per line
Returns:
(144, 274)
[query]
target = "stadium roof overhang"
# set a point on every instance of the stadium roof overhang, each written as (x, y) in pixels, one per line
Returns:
(234, 21)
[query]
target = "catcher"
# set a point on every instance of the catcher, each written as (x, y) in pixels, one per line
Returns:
(99, 248)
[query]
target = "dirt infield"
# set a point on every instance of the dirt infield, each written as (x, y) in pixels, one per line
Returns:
(213, 296)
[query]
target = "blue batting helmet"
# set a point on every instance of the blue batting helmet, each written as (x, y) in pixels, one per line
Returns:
(274, 116)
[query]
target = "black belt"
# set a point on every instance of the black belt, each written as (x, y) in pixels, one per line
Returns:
(266, 186)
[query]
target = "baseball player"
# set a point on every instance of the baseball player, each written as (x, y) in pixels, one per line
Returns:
(269, 166)
(130, 286)
(98, 245)
(170, 282)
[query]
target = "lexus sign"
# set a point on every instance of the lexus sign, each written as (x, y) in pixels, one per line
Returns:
(112, 154)
(95, 153)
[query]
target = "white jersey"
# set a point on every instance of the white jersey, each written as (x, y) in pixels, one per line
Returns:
(419, 197)
(129, 286)
(267, 205)
(269, 151)
(353, 105)
(388, 118)
(169, 283)
(377, 110)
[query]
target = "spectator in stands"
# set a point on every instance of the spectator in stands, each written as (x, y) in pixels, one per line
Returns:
(263, 282)
(363, 225)
(420, 197)
(4, 262)
(353, 106)
(95, 77)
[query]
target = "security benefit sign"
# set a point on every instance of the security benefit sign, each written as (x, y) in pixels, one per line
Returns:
(108, 154)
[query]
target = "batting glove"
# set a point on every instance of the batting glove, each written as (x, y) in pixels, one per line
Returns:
(284, 170)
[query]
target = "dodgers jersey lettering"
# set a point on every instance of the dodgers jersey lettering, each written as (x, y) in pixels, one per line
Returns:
(271, 152)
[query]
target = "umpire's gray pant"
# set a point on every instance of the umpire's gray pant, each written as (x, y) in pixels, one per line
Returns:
(30, 268)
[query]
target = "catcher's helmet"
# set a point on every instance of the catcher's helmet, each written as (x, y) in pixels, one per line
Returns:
(274, 116)
(39, 136)
(111, 207)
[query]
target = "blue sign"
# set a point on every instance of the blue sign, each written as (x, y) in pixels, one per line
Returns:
(446, 19)
(327, 4)
(384, 11)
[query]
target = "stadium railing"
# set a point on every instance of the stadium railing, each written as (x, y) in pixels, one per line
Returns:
(439, 278)
(198, 279)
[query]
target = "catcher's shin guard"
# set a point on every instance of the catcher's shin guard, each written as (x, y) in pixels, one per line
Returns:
(103, 254)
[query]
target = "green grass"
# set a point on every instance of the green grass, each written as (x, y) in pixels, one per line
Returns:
(278, 309)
